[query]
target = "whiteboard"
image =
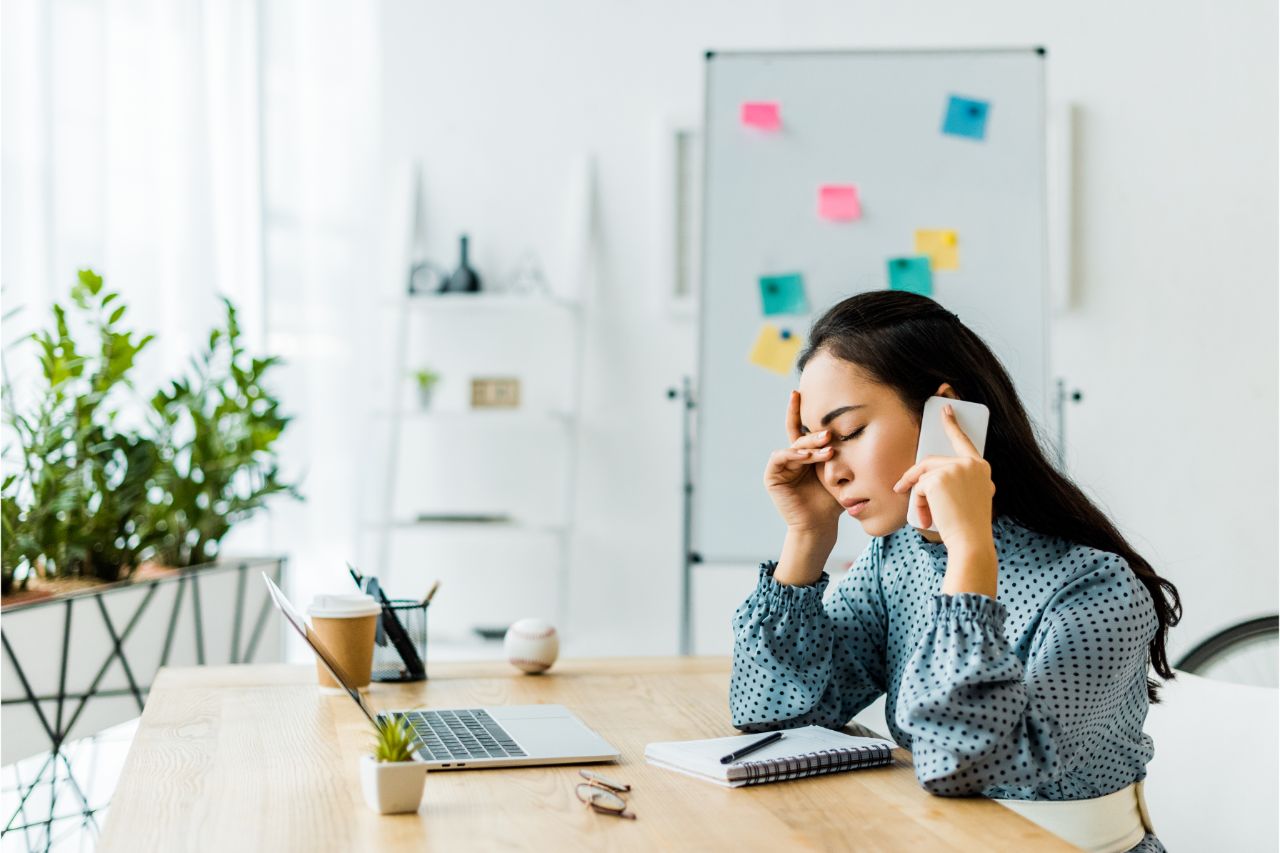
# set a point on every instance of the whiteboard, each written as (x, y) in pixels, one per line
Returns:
(872, 119)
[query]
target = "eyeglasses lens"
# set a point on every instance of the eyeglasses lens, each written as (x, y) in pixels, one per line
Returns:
(604, 781)
(600, 799)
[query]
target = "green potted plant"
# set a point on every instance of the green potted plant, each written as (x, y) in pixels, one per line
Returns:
(92, 494)
(216, 430)
(427, 380)
(73, 502)
(391, 777)
(114, 511)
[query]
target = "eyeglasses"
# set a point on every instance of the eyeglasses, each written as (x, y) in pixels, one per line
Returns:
(601, 794)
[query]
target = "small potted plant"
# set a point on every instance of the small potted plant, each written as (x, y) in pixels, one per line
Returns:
(391, 778)
(427, 380)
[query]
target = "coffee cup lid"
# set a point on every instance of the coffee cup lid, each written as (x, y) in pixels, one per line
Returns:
(343, 606)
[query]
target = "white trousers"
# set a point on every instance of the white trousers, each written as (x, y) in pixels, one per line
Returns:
(1110, 824)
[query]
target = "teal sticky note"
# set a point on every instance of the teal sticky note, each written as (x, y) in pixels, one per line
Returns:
(966, 117)
(911, 274)
(783, 294)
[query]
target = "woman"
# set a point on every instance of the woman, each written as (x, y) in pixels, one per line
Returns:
(1013, 644)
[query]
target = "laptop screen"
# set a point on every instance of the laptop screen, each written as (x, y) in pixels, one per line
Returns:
(294, 618)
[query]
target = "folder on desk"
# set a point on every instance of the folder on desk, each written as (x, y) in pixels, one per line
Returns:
(807, 751)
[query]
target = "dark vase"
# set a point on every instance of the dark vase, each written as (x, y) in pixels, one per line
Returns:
(464, 279)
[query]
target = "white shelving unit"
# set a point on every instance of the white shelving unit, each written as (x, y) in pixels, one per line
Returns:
(480, 310)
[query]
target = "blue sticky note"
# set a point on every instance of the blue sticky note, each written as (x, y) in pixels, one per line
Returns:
(783, 294)
(966, 117)
(911, 274)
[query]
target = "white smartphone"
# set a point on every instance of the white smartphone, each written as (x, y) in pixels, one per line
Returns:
(934, 441)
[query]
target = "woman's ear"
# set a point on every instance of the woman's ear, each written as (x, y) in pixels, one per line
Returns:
(945, 390)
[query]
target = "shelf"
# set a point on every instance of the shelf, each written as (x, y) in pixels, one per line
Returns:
(493, 415)
(477, 523)
(538, 315)
(485, 301)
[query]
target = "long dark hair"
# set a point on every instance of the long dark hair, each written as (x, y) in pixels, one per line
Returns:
(912, 344)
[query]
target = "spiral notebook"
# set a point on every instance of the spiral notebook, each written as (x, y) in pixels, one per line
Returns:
(807, 751)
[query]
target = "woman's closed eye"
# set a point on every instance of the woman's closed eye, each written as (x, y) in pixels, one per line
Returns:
(857, 432)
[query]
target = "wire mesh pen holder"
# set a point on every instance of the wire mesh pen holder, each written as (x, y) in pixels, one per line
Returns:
(387, 663)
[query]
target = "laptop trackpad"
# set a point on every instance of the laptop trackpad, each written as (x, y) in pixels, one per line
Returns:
(556, 736)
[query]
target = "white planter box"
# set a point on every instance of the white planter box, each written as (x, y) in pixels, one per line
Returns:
(66, 652)
(392, 787)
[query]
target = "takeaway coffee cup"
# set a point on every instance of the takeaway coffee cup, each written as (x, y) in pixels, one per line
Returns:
(345, 626)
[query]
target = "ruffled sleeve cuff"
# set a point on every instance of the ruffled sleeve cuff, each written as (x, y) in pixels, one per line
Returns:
(789, 596)
(969, 607)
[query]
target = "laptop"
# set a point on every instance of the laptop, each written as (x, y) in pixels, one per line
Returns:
(472, 738)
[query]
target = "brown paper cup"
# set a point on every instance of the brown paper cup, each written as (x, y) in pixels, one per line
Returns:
(345, 625)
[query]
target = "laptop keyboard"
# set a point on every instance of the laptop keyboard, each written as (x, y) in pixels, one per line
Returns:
(461, 735)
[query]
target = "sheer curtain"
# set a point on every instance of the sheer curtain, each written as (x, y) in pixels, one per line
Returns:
(187, 149)
(321, 96)
(130, 140)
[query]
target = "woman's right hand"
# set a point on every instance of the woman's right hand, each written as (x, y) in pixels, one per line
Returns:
(792, 480)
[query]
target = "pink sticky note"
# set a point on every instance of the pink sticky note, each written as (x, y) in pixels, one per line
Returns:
(839, 203)
(762, 115)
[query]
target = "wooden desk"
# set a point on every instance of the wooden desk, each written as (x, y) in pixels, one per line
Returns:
(245, 758)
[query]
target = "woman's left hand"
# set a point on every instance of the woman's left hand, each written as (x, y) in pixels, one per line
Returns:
(954, 493)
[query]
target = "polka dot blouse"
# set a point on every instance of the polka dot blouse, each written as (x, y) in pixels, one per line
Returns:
(1037, 694)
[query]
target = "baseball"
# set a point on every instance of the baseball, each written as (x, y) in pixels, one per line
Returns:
(531, 645)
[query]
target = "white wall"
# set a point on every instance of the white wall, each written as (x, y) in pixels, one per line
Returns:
(1172, 336)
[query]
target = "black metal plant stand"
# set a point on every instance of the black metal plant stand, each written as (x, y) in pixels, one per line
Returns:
(69, 705)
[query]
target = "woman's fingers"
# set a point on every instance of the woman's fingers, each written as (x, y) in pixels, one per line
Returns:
(794, 460)
(918, 470)
(963, 446)
(967, 467)
(805, 455)
(812, 441)
(793, 417)
(907, 480)
(922, 510)
(795, 430)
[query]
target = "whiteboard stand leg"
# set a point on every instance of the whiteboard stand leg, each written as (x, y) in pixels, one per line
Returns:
(1060, 409)
(688, 558)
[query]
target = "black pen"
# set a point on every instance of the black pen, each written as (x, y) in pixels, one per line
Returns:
(391, 625)
(751, 747)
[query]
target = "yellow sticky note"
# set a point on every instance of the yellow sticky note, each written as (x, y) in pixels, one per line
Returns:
(775, 349)
(942, 247)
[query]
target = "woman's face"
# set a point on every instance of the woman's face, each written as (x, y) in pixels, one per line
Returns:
(874, 436)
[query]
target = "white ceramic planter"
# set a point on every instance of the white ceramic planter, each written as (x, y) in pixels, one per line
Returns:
(392, 787)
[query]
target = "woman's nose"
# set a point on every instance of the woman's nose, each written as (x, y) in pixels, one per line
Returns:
(836, 472)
